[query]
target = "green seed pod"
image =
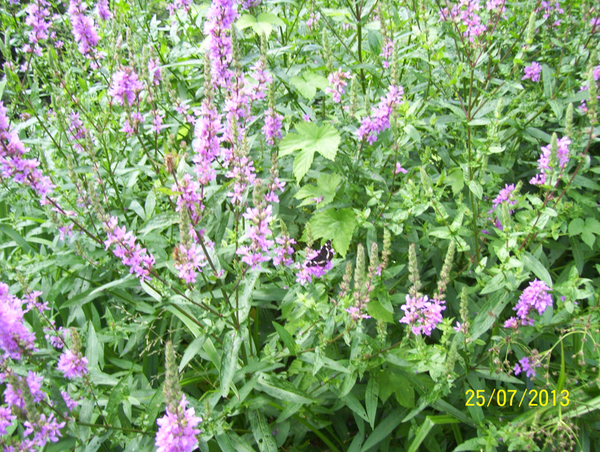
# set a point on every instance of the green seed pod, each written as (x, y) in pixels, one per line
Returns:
(569, 120)
(530, 29)
(593, 100)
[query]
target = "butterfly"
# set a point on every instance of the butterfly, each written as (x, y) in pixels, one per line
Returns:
(323, 257)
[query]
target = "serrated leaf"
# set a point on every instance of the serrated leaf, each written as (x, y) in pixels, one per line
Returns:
(308, 83)
(576, 227)
(337, 225)
(310, 138)
(326, 188)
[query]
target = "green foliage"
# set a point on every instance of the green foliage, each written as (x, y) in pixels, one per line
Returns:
(270, 358)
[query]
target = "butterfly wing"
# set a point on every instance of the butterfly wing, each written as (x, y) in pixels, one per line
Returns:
(323, 257)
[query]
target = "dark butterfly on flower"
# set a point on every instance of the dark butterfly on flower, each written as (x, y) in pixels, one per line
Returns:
(323, 257)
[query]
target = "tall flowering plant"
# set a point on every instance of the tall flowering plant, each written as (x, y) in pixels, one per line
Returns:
(243, 225)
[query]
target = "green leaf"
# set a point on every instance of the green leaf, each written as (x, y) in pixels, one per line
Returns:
(92, 350)
(191, 351)
(262, 24)
(286, 337)
(576, 227)
(262, 432)
(475, 188)
(310, 139)
(378, 312)
(150, 204)
(326, 187)
(383, 430)
(307, 84)
(353, 403)
(371, 397)
(17, 238)
(282, 390)
(494, 284)
(150, 291)
(245, 302)
(534, 265)
(337, 225)
(548, 80)
(489, 314)
(115, 398)
(154, 407)
(405, 394)
(231, 348)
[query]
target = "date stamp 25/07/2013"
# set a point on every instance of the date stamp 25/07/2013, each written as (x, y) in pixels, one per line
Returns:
(506, 398)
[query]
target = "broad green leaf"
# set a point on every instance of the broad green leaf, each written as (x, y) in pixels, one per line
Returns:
(494, 284)
(337, 225)
(576, 226)
(150, 204)
(92, 351)
(326, 188)
(154, 406)
(262, 432)
(307, 84)
(262, 24)
(534, 265)
(286, 337)
(310, 138)
(212, 353)
(150, 291)
(405, 395)
(378, 312)
(115, 398)
(245, 301)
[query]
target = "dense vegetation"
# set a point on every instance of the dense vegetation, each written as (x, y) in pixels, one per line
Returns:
(299, 225)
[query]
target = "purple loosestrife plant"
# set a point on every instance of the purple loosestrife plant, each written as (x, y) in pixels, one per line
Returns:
(125, 86)
(379, 120)
(548, 163)
(37, 18)
(421, 314)
(130, 252)
(337, 80)
(14, 335)
(534, 298)
(84, 28)
(532, 72)
(219, 19)
(103, 10)
(72, 364)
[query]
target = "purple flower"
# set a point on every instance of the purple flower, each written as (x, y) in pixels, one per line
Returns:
(399, 169)
(37, 14)
(275, 184)
(533, 72)
(14, 335)
(157, 124)
(465, 15)
(549, 7)
(272, 127)
(313, 19)
(130, 253)
(422, 315)
(337, 80)
(125, 86)
(534, 298)
(379, 120)
(14, 397)
(219, 19)
(191, 259)
(247, 4)
(103, 10)
(207, 145)
(242, 172)
(263, 78)
(84, 29)
(284, 252)
(527, 366)
(179, 5)
(154, 71)
(386, 52)
(307, 272)
(189, 197)
(259, 219)
(71, 404)
(545, 165)
(6, 418)
(176, 432)
(44, 430)
(72, 365)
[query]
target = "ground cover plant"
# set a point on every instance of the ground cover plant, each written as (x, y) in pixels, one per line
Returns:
(299, 225)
